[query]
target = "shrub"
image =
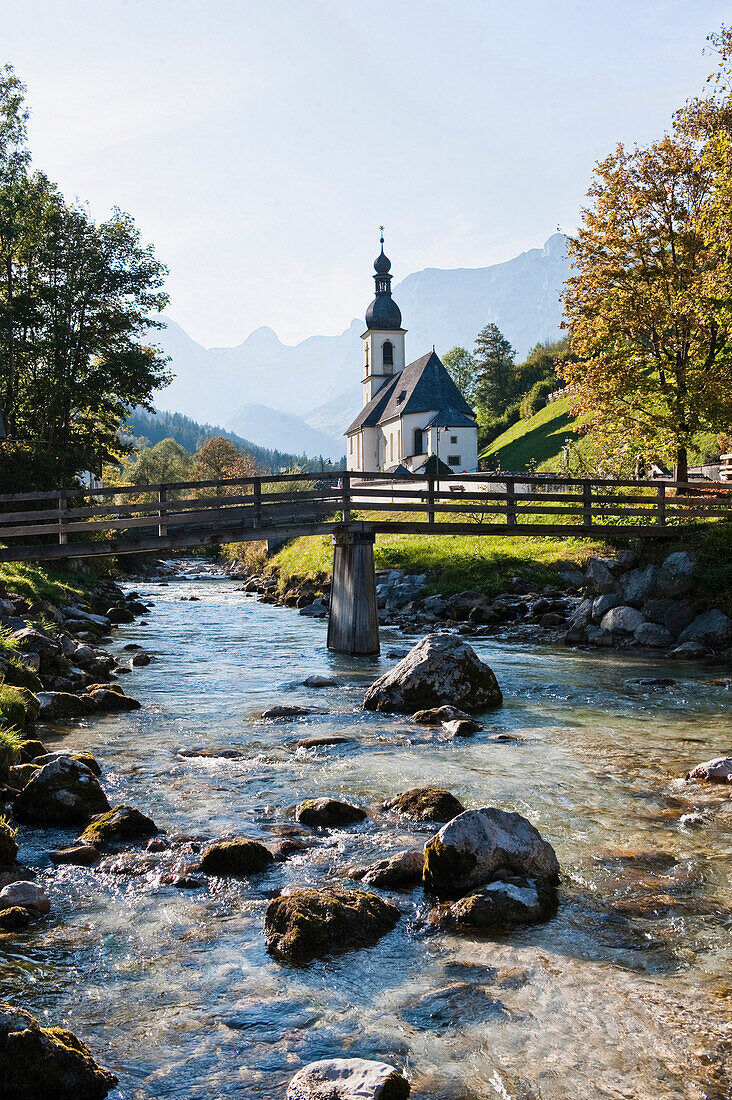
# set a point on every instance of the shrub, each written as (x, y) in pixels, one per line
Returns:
(535, 399)
(8, 847)
(10, 749)
(489, 428)
(18, 706)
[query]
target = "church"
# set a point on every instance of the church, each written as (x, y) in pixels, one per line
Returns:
(410, 412)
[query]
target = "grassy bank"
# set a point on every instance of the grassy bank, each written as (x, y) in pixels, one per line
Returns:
(40, 582)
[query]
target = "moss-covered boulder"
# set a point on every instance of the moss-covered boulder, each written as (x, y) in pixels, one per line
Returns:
(501, 905)
(426, 804)
(38, 1062)
(85, 758)
(21, 774)
(440, 670)
(62, 706)
(8, 845)
(239, 856)
(18, 674)
(479, 846)
(63, 792)
(348, 1079)
(120, 824)
(328, 812)
(111, 698)
(16, 918)
(310, 924)
(30, 749)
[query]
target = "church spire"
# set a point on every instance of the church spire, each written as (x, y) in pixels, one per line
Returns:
(383, 313)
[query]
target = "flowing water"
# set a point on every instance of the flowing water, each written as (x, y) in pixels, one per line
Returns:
(626, 993)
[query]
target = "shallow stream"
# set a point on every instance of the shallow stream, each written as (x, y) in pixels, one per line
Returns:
(626, 993)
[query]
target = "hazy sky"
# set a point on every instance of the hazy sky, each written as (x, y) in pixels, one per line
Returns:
(259, 145)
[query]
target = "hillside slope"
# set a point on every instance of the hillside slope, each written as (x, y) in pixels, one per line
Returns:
(535, 441)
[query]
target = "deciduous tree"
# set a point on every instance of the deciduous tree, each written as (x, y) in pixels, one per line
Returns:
(460, 365)
(494, 363)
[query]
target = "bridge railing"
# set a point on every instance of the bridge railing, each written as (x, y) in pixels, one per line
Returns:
(133, 518)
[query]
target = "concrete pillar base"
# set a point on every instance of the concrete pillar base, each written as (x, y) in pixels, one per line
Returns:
(353, 626)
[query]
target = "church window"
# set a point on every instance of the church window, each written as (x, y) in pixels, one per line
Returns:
(453, 439)
(418, 442)
(391, 447)
(351, 444)
(399, 445)
(388, 353)
(366, 349)
(453, 460)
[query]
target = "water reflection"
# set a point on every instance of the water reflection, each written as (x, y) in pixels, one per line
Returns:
(625, 994)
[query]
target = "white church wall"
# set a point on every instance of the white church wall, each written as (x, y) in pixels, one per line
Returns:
(464, 449)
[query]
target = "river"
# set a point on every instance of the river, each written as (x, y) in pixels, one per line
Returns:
(626, 993)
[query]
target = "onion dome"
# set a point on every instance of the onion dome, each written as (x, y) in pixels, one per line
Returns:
(383, 313)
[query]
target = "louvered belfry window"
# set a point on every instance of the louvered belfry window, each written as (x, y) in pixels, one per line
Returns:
(388, 353)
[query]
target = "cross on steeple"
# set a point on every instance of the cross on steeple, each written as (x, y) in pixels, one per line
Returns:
(381, 230)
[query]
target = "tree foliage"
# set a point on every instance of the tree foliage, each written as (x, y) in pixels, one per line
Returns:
(75, 301)
(460, 365)
(494, 362)
(649, 305)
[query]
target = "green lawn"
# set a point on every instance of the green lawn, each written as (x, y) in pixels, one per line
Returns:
(536, 440)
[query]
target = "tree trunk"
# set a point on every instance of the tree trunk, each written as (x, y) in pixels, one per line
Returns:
(681, 469)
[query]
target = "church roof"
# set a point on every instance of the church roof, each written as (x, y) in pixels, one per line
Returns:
(422, 386)
(383, 313)
(451, 418)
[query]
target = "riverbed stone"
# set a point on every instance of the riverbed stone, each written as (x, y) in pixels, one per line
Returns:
(283, 710)
(319, 680)
(637, 585)
(38, 1062)
(712, 628)
(622, 620)
(108, 697)
(239, 856)
(675, 576)
(60, 706)
(436, 716)
(599, 575)
(27, 895)
(471, 849)
(15, 918)
(81, 855)
(20, 774)
(140, 660)
(426, 804)
(8, 844)
(690, 651)
(402, 869)
(63, 792)
(314, 610)
(348, 1079)
(653, 635)
(718, 770)
(328, 812)
(85, 758)
(461, 727)
(120, 824)
(502, 904)
(323, 742)
(604, 603)
(441, 669)
(309, 924)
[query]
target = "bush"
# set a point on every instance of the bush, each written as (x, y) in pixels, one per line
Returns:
(489, 428)
(8, 847)
(19, 675)
(18, 707)
(535, 399)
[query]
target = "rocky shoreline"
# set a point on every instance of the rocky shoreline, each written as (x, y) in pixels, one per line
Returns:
(615, 602)
(483, 871)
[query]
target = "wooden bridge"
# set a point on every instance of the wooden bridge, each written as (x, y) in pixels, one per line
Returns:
(353, 508)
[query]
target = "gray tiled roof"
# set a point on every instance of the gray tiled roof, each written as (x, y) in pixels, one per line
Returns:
(420, 387)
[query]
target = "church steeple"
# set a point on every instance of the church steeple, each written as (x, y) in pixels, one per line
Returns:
(383, 313)
(383, 340)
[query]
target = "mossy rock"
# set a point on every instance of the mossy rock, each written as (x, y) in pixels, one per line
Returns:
(63, 792)
(19, 675)
(86, 758)
(426, 804)
(310, 924)
(13, 920)
(117, 825)
(239, 856)
(21, 774)
(18, 707)
(111, 698)
(8, 845)
(37, 1062)
(328, 812)
(30, 749)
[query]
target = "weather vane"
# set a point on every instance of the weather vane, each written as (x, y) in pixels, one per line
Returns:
(381, 230)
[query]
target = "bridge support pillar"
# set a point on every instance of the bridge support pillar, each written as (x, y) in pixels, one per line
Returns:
(353, 626)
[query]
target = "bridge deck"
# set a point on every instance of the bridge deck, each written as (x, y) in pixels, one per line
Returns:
(155, 518)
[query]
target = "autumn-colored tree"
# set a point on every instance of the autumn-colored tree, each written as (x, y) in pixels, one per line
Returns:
(649, 305)
(219, 458)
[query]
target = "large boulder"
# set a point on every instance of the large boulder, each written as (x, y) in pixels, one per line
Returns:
(676, 574)
(713, 629)
(239, 856)
(85, 758)
(622, 620)
(8, 845)
(109, 697)
(60, 706)
(718, 770)
(348, 1079)
(441, 669)
(637, 585)
(602, 604)
(653, 635)
(479, 846)
(38, 1062)
(426, 804)
(63, 792)
(26, 895)
(599, 574)
(502, 904)
(119, 824)
(328, 813)
(311, 924)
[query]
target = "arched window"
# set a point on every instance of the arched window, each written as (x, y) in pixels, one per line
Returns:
(387, 352)
(418, 444)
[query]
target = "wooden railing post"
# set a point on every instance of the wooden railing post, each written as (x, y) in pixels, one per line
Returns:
(661, 504)
(63, 502)
(162, 526)
(346, 497)
(587, 504)
(431, 501)
(257, 489)
(510, 502)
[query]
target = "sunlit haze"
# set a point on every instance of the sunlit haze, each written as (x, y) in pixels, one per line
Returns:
(259, 146)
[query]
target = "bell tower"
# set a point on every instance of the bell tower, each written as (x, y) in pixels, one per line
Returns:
(383, 340)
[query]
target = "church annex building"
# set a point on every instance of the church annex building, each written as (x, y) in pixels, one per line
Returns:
(409, 412)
